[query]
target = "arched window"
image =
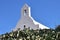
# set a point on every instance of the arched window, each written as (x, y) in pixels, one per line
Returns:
(24, 26)
(25, 12)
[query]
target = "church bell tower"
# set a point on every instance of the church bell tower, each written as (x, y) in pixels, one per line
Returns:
(25, 10)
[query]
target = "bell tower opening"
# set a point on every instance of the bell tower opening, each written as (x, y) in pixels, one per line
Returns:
(25, 12)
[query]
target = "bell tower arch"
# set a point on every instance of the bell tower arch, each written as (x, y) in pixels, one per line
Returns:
(25, 11)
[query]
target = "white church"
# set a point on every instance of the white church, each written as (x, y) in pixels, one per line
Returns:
(27, 20)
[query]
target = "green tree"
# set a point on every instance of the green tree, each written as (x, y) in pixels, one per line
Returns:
(57, 28)
(48, 38)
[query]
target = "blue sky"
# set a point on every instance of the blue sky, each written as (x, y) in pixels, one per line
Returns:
(46, 12)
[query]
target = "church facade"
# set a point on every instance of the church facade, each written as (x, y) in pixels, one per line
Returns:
(27, 20)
